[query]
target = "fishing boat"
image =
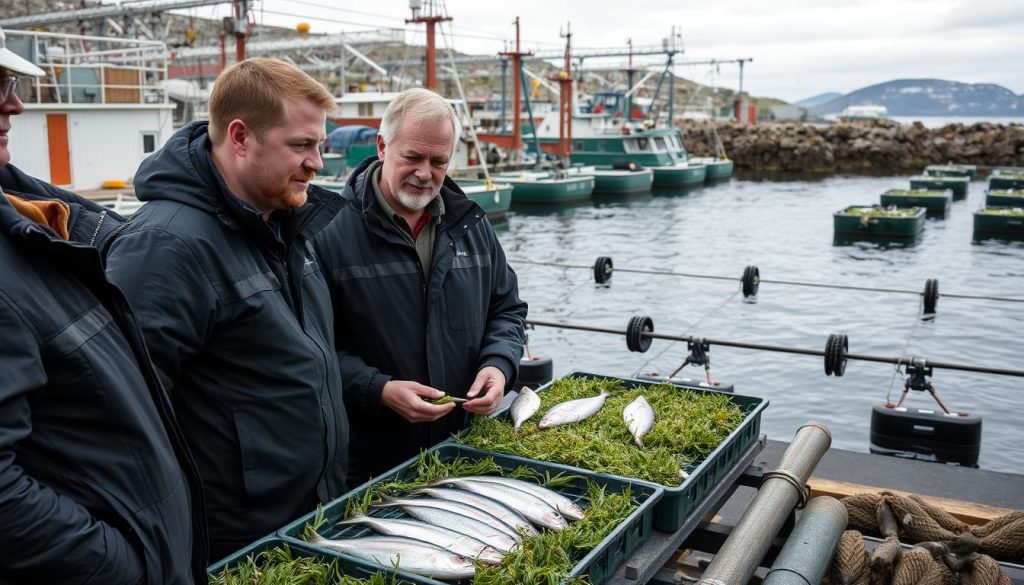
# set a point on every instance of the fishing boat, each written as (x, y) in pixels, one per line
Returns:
(610, 180)
(548, 187)
(94, 89)
(494, 198)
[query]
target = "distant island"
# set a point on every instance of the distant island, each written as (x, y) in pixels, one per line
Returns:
(923, 97)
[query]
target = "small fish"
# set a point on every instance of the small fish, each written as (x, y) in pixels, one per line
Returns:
(572, 411)
(446, 538)
(407, 554)
(491, 506)
(566, 507)
(639, 417)
(523, 407)
(445, 399)
(533, 508)
(460, 518)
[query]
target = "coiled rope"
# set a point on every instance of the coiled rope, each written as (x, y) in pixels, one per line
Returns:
(948, 550)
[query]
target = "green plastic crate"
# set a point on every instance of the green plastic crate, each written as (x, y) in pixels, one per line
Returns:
(599, 564)
(679, 501)
(349, 567)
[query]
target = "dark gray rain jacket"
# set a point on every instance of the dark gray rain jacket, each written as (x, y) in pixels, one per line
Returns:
(240, 328)
(96, 482)
(392, 323)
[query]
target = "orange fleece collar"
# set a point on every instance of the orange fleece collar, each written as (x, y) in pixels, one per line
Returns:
(53, 214)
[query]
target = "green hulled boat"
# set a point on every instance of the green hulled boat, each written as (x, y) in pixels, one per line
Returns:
(1005, 198)
(1001, 179)
(874, 220)
(679, 175)
(718, 169)
(935, 203)
(958, 185)
(334, 164)
(613, 181)
(999, 222)
(951, 170)
(548, 187)
(494, 199)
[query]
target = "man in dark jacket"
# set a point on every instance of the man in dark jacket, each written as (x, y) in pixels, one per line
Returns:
(425, 303)
(234, 307)
(96, 483)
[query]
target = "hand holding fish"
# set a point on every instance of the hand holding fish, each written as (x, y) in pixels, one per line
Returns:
(406, 398)
(486, 392)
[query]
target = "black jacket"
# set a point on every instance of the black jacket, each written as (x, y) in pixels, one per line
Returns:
(240, 328)
(390, 322)
(96, 483)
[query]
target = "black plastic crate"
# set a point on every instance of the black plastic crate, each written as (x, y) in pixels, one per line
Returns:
(679, 501)
(599, 564)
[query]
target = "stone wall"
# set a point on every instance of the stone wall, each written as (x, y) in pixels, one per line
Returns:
(879, 146)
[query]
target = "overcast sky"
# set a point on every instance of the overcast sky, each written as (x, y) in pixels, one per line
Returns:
(800, 48)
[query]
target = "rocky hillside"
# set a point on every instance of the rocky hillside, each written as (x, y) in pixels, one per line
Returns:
(877, 147)
(930, 97)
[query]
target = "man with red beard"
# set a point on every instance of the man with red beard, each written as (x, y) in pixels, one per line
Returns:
(425, 303)
(234, 307)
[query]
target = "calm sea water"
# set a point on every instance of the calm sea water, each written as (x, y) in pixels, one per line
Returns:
(785, 228)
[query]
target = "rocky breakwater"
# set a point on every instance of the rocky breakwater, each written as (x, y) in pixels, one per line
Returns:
(879, 146)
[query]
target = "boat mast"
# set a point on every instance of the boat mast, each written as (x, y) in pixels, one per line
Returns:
(564, 147)
(431, 21)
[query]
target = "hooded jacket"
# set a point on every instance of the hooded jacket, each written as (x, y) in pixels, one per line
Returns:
(391, 322)
(96, 482)
(238, 321)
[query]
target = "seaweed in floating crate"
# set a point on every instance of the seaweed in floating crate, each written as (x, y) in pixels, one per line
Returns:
(272, 561)
(617, 521)
(697, 438)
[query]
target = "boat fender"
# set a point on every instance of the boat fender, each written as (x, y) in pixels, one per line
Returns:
(931, 295)
(635, 340)
(534, 372)
(751, 280)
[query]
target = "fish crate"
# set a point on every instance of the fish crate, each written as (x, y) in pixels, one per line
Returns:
(1006, 180)
(1005, 198)
(999, 222)
(354, 568)
(935, 203)
(958, 185)
(598, 565)
(873, 220)
(705, 473)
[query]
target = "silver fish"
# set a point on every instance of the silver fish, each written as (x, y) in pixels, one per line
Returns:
(572, 411)
(566, 507)
(639, 417)
(523, 407)
(446, 538)
(460, 518)
(491, 506)
(410, 555)
(535, 509)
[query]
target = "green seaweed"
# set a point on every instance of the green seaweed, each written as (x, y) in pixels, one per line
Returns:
(279, 566)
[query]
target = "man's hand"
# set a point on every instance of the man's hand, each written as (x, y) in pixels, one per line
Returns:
(406, 398)
(486, 392)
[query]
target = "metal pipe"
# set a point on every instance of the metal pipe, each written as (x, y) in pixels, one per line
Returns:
(781, 490)
(808, 551)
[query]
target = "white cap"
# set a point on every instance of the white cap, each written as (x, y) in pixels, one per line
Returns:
(14, 63)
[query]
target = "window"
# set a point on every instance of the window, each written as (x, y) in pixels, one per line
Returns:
(148, 142)
(365, 109)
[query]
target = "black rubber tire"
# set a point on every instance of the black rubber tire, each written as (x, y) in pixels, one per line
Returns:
(836, 349)
(931, 295)
(751, 281)
(828, 354)
(636, 342)
(534, 373)
(603, 270)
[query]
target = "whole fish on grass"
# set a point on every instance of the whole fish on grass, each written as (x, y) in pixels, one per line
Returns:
(492, 506)
(639, 417)
(446, 538)
(410, 555)
(566, 507)
(533, 508)
(459, 517)
(523, 407)
(572, 411)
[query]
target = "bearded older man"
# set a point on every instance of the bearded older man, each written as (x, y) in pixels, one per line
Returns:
(425, 303)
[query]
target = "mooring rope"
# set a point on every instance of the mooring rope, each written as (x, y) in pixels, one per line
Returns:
(948, 551)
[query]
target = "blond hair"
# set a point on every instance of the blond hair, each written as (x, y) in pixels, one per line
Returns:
(419, 105)
(254, 91)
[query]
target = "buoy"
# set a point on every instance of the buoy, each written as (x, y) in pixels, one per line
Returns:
(930, 435)
(535, 372)
(114, 184)
(303, 28)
